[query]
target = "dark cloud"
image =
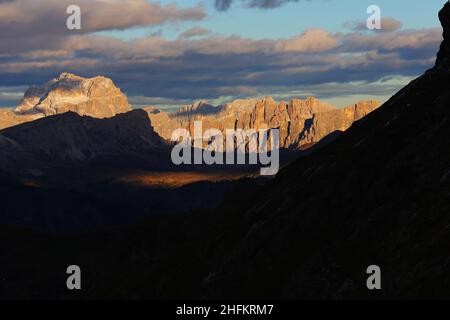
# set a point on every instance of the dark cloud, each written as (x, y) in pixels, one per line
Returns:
(201, 65)
(213, 66)
(223, 5)
(38, 28)
(22, 20)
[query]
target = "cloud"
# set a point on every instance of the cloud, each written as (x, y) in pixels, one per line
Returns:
(30, 17)
(29, 25)
(194, 32)
(390, 24)
(223, 5)
(312, 40)
(406, 39)
(213, 67)
(11, 96)
(387, 25)
(203, 65)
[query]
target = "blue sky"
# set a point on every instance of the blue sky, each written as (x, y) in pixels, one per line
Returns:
(169, 53)
(290, 19)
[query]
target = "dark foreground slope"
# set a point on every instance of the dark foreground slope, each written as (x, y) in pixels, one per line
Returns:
(379, 194)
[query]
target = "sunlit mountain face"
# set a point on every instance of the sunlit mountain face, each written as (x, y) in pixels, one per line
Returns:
(224, 149)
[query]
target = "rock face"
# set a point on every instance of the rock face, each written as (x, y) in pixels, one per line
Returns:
(301, 122)
(97, 97)
(72, 137)
(337, 120)
(9, 118)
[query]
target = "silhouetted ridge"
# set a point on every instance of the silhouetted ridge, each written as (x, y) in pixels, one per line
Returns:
(377, 195)
(70, 136)
(443, 58)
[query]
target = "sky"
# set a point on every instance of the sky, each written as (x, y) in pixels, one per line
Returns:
(169, 53)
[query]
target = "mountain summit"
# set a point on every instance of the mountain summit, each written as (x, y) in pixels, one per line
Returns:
(302, 122)
(97, 97)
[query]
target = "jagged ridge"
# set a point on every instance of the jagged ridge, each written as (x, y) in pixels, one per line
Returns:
(97, 97)
(301, 122)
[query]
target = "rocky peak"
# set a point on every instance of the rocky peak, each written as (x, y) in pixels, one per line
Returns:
(306, 108)
(301, 122)
(97, 97)
(67, 75)
(268, 101)
(196, 107)
(241, 105)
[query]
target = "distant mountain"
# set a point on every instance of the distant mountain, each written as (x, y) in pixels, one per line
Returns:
(301, 122)
(9, 118)
(97, 97)
(75, 138)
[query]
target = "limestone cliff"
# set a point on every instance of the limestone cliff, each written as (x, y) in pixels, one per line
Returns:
(301, 122)
(97, 97)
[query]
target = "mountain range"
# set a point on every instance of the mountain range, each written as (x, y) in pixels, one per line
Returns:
(377, 194)
(77, 122)
(302, 123)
